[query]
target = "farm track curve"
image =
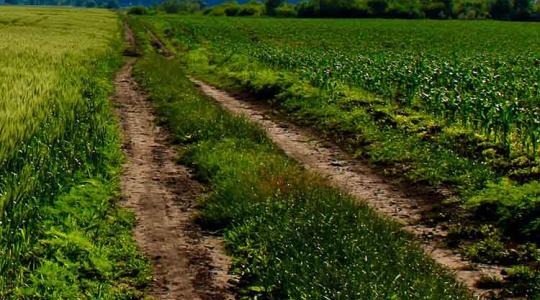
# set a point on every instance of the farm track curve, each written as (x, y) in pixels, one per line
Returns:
(361, 181)
(186, 262)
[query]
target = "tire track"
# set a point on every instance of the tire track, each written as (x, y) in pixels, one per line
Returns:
(362, 182)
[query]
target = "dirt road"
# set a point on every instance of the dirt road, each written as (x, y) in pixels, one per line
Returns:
(187, 264)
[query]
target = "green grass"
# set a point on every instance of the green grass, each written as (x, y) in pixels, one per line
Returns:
(62, 235)
(86, 249)
(290, 234)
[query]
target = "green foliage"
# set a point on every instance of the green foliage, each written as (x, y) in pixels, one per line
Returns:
(377, 7)
(404, 9)
(410, 136)
(232, 9)
(87, 249)
(474, 9)
(406, 76)
(434, 9)
(502, 9)
(285, 11)
(137, 10)
(449, 6)
(271, 6)
(427, 134)
(290, 234)
(490, 248)
(515, 207)
(523, 9)
(177, 6)
(251, 9)
(331, 8)
(524, 281)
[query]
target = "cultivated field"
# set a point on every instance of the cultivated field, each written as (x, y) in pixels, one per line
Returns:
(435, 124)
(447, 107)
(60, 237)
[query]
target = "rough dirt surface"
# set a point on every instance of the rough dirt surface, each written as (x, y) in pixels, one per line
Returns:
(359, 180)
(187, 263)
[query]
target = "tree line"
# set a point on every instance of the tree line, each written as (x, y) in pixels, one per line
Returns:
(410, 9)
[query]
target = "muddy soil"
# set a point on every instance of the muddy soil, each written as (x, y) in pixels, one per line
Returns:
(186, 262)
(359, 180)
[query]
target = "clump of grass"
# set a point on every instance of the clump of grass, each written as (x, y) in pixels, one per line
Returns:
(291, 235)
(515, 207)
(524, 281)
(87, 249)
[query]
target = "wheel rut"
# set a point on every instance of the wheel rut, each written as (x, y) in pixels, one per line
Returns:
(361, 181)
(186, 262)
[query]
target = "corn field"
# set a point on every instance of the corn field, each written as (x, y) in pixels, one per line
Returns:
(481, 75)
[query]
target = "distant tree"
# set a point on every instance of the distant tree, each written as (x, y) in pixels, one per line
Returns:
(286, 11)
(501, 9)
(170, 6)
(377, 7)
(435, 10)
(536, 11)
(200, 3)
(523, 9)
(176, 6)
(271, 6)
(335, 8)
(472, 9)
(137, 10)
(450, 7)
(406, 9)
(112, 4)
(191, 5)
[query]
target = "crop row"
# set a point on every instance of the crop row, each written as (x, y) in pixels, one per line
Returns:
(492, 90)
